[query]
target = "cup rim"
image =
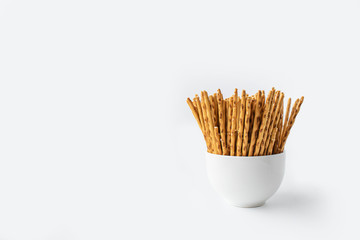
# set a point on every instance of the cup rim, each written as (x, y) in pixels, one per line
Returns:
(246, 157)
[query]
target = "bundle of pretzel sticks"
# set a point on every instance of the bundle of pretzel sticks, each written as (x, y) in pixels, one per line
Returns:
(244, 125)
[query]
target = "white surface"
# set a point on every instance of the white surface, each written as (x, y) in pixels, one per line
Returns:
(245, 181)
(97, 142)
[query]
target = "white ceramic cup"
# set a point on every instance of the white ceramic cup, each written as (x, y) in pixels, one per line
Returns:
(245, 181)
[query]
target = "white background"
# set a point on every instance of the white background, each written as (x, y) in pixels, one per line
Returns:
(97, 142)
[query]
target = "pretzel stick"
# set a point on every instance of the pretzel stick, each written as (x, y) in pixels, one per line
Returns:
(272, 141)
(246, 128)
(233, 124)
(271, 119)
(228, 127)
(217, 139)
(291, 121)
(201, 116)
(241, 123)
(278, 134)
(209, 120)
(283, 137)
(257, 122)
(264, 120)
(216, 110)
(213, 110)
(199, 109)
(286, 117)
(275, 119)
(252, 116)
(194, 112)
(221, 121)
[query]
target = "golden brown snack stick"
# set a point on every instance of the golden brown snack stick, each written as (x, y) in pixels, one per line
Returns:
(210, 118)
(252, 116)
(207, 120)
(201, 116)
(272, 141)
(275, 120)
(229, 115)
(241, 123)
(221, 120)
(206, 125)
(257, 122)
(246, 128)
(271, 119)
(233, 124)
(199, 109)
(278, 134)
(265, 118)
(212, 105)
(217, 140)
(194, 112)
(291, 121)
(216, 110)
(286, 117)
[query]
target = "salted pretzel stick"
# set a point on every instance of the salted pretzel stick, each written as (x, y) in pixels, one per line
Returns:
(274, 122)
(217, 140)
(241, 123)
(194, 112)
(252, 116)
(272, 141)
(199, 109)
(292, 121)
(216, 110)
(206, 125)
(212, 105)
(229, 116)
(286, 117)
(233, 124)
(271, 119)
(221, 121)
(210, 119)
(246, 128)
(201, 116)
(278, 134)
(264, 120)
(293, 110)
(257, 122)
(262, 102)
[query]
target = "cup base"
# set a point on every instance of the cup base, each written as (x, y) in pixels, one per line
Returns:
(253, 205)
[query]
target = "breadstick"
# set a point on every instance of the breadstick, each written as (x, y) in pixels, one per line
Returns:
(272, 141)
(274, 122)
(233, 124)
(228, 126)
(264, 120)
(271, 119)
(246, 128)
(217, 139)
(241, 123)
(291, 121)
(286, 117)
(278, 134)
(216, 109)
(257, 122)
(194, 112)
(201, 116)
(252, 116)
(212, 105)
(199, 109)
(207, 121)
(221, 120)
